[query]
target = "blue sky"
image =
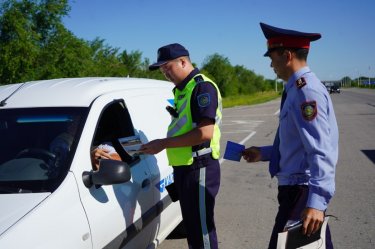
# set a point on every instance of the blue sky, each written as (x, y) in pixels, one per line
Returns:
(231, 28)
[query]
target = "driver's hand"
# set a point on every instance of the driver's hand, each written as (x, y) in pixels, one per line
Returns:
(98, 154)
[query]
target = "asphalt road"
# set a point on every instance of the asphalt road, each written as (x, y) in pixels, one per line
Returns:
(246, 204)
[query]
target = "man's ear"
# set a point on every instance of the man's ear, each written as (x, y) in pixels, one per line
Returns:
(183, 62)
(288, 54)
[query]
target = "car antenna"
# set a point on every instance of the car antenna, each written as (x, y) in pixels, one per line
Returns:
(3, 102)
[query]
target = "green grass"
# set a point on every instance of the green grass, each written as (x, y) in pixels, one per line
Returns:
(252, 99)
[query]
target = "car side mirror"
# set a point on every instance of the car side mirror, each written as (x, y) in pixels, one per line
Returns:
(110, 172)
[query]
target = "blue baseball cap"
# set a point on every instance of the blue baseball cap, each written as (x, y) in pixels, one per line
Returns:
(168, 53)
(286, 38)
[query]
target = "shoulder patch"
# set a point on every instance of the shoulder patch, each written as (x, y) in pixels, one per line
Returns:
(203, 99)
(301, 82)
(309, 110)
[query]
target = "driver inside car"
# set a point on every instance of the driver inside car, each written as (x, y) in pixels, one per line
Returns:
(61, 145)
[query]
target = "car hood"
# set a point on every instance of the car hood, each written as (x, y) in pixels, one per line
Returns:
(14, 206)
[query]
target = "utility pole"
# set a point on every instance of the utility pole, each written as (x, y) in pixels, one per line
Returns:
(369, 72)
(358, 78)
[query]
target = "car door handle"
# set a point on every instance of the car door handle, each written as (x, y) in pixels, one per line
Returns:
(146, 183)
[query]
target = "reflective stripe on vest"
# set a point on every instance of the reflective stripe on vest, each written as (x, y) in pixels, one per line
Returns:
(177, 126)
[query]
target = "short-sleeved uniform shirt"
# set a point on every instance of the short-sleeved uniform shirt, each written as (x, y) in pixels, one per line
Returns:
(201, 109)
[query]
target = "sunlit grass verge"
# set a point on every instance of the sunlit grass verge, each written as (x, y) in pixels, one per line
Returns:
(252, 99)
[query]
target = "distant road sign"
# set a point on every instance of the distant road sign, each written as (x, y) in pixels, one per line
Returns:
(366, 82)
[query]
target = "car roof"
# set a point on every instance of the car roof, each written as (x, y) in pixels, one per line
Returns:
(74, 91)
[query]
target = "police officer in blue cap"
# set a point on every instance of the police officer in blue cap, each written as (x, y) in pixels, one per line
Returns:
(304, 154)
(192, 143)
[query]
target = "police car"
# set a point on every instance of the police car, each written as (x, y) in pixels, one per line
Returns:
(51, 194)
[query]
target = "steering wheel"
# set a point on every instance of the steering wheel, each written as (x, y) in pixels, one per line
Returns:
(36, 153)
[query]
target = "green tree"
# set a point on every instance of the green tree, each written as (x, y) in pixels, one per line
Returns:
(34, 44)
(145, 73)
(18, 41)
(246, 80)
(47, 17)
(132, 62)
(105, 60)
(219, 69)
(64, 56)
(346, 81)
(231, 80)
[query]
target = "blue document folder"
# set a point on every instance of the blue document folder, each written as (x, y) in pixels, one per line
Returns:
(233, 151)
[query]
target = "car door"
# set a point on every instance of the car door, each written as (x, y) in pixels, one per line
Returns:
(115, 212)
(165, 214)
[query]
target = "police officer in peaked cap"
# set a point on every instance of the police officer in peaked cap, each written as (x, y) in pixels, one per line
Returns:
(192, 143)
(304, 154)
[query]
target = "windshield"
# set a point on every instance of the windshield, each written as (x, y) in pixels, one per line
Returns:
(37, 146)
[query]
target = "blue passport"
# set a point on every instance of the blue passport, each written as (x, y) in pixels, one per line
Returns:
(233, 151)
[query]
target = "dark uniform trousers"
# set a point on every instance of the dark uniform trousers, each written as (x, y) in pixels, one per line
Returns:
(197, 186)
(292, 202)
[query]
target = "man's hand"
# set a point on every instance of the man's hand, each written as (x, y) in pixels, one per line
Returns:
(251, 154)
(98, 154)
(153, 147)
(312, 220)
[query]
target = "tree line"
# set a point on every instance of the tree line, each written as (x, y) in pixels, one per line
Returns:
(35, 45)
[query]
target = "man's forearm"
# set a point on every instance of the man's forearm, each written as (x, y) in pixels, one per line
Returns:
(196, 136)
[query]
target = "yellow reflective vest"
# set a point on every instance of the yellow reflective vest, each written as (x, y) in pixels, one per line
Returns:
(180, 156)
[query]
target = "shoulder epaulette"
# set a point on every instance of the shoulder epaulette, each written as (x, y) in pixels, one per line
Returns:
(301, 82)
(198, 79)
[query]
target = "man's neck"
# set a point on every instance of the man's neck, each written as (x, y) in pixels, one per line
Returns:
(298, 64)
(295, 66)
(185, 78)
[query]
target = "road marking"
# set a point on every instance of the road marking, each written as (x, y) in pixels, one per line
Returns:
(237, 131)
(239, 122)
(247, 115)
(242, 142)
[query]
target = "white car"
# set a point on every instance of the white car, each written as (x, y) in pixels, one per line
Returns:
(50, 194)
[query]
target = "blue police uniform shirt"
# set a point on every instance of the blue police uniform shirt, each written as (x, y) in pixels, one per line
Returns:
(308, 139)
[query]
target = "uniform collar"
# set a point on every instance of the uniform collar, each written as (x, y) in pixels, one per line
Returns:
(191, 75)
(292, 80)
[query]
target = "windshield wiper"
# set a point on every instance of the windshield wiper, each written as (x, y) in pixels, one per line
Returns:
(13, 190)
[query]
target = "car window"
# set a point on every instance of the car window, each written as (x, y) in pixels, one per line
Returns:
(37, 146)
(114, 131)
